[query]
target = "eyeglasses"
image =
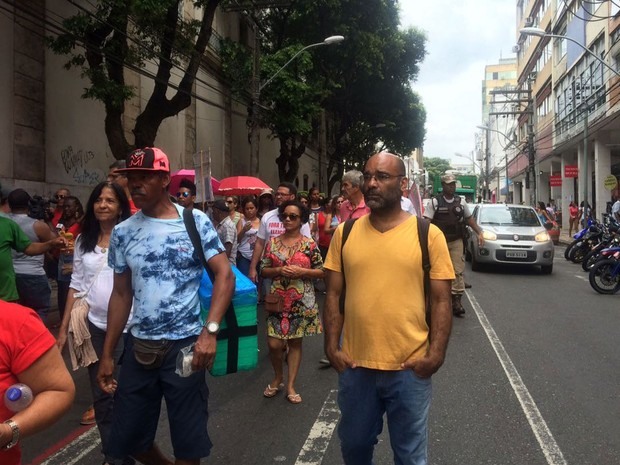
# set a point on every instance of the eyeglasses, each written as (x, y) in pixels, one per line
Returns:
(183, 194)
(59, 196)
(381, 177)
(288, 216)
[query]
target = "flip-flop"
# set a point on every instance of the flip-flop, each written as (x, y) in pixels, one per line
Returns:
(294, 398)
(270, 392)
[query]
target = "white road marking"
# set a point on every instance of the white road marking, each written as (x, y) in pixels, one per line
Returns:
(583, 278)
(77, 449)
(545, 439)
(313, 450)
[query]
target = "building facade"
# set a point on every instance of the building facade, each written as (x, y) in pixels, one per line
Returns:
(495, 139)
(568, 127)
(51, 137)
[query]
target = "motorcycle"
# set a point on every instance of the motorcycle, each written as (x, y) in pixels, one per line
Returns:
(578, 236)
(611, 238)
(591, 238)
(605, 274)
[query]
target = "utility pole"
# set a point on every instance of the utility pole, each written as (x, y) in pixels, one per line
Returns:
(522, 97)
(530, 145)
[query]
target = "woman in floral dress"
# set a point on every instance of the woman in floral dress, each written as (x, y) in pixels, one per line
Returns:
(292, 261)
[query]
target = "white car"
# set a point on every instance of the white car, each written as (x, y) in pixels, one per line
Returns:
(513, 234)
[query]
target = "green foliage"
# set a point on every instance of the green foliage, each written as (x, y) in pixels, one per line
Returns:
(436, 166)
(364, 83)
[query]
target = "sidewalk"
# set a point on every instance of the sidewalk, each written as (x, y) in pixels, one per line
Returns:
(565, 239)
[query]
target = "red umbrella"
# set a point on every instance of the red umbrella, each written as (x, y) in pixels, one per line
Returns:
(175, 180)
(241, 185)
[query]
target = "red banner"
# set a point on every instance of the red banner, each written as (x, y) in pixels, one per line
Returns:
(555, 180)
(571, 171)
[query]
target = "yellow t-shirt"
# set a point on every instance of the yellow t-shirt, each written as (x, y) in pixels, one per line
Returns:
(384, 321)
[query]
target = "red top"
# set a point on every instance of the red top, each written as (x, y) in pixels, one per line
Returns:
(573, 211)
(133, 208)
(347, 211)
(23, 340)
(324, 238)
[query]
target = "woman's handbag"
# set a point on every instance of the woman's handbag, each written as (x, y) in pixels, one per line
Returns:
(274, 303)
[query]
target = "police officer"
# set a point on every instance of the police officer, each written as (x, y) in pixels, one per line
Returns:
(449, 213)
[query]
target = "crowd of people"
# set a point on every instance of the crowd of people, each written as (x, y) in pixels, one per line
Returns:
(128, 276)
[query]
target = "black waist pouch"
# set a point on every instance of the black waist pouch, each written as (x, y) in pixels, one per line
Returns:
(150, 353)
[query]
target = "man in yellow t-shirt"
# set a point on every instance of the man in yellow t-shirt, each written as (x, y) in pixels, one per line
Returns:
(388, 351)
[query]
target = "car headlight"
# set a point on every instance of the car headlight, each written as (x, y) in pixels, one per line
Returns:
(542, 237)
(489, 236)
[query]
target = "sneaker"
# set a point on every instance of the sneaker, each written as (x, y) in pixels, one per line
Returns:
(88, 417)
(325, 362)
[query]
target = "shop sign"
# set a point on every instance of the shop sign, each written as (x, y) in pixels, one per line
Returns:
(610, 182)
(555, 180)
(571, 171)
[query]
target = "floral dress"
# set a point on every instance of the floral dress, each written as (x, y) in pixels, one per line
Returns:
(301, 315)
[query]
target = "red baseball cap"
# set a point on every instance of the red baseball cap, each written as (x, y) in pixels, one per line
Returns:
(146, 159)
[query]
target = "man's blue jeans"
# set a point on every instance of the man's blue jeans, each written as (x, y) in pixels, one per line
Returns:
(365, 395)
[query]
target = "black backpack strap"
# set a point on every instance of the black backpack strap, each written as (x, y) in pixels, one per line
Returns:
(423, 227)
(232, 332)
(346, 230)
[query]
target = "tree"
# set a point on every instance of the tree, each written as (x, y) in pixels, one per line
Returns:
(362, 83)
(436, 166)
(119, 34)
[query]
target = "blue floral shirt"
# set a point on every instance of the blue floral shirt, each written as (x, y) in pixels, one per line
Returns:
(165, 272)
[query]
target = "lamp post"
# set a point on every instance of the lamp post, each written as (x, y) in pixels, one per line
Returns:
(258, 87)
(537, 32)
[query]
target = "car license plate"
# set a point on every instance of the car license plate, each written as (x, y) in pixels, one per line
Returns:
(516, 254)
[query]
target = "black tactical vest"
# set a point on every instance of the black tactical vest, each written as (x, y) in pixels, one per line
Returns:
(449, 217)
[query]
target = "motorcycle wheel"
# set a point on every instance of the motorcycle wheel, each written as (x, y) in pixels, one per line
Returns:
(568, 249)
(605, 276)
(578, 252)
(590, 259)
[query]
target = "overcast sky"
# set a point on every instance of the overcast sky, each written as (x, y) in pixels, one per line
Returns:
(462, 37)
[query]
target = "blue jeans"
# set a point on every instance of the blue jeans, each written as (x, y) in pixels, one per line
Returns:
(365, 395)
(35, 293)
(243, 264)
(103, 402)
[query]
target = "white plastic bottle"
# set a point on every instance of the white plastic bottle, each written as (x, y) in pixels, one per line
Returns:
(17, 397)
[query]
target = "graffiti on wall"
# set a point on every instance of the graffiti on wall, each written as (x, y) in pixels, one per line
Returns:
(76, 164)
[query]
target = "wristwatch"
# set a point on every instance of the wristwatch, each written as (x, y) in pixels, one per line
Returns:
(15, 432)
(212, 327)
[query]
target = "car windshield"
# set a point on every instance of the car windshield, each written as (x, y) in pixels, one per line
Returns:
(509, 216)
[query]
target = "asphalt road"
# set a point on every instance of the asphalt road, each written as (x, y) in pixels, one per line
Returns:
(531, 378)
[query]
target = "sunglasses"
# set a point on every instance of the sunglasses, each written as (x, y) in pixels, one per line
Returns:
(288, 216)
(230, 201)
(183, 194)
(59, 196)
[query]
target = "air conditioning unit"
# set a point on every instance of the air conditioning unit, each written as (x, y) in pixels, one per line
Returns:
(516, 48)
(529, 21)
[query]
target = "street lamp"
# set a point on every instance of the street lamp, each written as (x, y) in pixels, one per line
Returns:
(254, 143)
(537, 32)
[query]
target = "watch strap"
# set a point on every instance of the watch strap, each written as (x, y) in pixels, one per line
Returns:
(15, 434)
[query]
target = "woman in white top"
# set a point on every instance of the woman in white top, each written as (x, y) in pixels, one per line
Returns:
(247, 235)
(107, 206)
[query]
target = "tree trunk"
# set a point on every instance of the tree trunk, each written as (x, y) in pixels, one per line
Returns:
(290, 153)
